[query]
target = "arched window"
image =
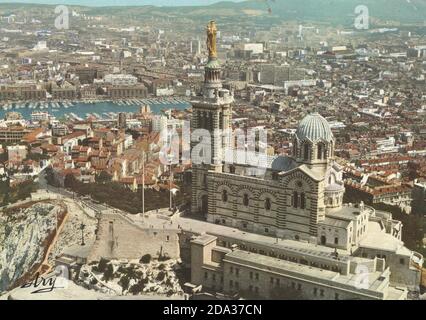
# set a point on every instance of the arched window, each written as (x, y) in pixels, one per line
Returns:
(306, 151)
(200, 117)
(302, 201)
(202, 120)
(268, 204)
(295, 199)
(246, 200)
(225, 196)
(321, 151)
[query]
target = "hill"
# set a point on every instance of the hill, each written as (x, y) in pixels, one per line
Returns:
(332, 11)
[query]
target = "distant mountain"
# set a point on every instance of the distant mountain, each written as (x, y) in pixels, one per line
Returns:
(341, 11)
(108, 3)
(333, 11)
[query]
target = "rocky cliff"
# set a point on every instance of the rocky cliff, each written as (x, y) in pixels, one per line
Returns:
(24, 236)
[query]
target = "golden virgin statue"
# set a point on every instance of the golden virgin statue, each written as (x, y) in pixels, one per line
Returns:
(211, 39)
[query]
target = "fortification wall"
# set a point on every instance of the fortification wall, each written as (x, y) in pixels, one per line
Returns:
(120, 238)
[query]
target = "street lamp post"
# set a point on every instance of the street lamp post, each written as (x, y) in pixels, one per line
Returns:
(143, 183)
(170, 185)
(82, 226)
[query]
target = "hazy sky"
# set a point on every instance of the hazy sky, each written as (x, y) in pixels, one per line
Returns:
(121, 2)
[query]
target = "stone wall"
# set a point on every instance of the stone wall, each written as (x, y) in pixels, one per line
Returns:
(119, 237)
(400, 264)
(35, 197)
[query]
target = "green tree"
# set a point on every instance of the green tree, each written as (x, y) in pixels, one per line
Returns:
(108, 273)
(103, 177)
(102, 264)
(70, 181)
(161, 275)
(6, 199)
(124, 283)
(146, 259)
(138, 287)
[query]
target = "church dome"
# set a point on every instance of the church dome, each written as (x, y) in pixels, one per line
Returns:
(314, 128)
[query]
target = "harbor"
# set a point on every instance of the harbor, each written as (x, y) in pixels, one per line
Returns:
(95, 109)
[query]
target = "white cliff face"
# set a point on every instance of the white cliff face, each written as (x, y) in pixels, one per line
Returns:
(22, 236)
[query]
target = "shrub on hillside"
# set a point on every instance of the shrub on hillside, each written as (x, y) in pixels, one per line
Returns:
(164, 257)
(146, 259)
(138, 287)
(108, 273)
(161, 275)
(124, 283)
(102, 265)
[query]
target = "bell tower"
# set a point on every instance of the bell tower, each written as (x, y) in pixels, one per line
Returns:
(211, 112)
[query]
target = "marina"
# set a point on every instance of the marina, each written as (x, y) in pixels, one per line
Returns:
(96, 109)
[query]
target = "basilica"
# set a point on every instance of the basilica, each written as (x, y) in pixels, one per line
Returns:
(298, 198)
